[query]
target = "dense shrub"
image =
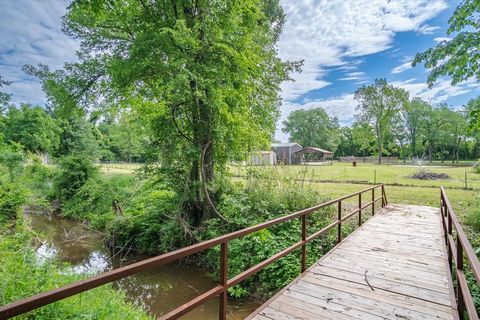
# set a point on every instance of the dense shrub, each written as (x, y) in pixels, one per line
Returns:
(38, 179)
(11, 158)
(93, 201)
(74, 172)
(149, 223)
(12, 198)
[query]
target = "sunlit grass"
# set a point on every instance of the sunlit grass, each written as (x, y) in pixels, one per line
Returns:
(371, 173)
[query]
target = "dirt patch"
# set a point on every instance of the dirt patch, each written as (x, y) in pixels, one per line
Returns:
(427, 175)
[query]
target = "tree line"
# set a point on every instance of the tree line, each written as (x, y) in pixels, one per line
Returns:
(54, 132)
(389, 122)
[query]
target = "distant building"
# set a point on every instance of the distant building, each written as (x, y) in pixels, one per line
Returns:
(285, 152)
(312, 154)
(263, 158)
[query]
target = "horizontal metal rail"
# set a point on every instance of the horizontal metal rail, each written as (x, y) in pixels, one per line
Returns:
(456, 249)
(36, 301)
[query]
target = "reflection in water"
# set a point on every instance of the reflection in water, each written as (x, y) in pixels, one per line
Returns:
(158, 290)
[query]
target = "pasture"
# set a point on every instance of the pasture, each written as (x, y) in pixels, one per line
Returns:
(342, 178)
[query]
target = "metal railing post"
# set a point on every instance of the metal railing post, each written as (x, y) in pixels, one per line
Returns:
(460, 300)
(339, 233)
(359, 209)
(373, 201)
(222, 312)
(384, 198)
(304, 245)
(449, 230)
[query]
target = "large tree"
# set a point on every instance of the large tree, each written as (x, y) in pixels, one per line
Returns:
(412, 113)
(313, 128)
(204, 75)
(459, 57)
(377, 105)
(432, 123)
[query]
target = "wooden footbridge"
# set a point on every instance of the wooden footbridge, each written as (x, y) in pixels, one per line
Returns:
(397, 265)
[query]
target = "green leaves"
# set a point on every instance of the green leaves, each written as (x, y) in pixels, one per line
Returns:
(313, 128)
(458, 58)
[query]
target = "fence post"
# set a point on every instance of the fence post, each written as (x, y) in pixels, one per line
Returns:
(222, 312)
(304, 245)
(339, 233)
(359, 209)
(373, 201)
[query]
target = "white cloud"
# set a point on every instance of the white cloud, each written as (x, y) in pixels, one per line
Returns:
(403, 67)
(324, 33)
(427, 29)
(441, 91)
(31, 34)
(441, 39)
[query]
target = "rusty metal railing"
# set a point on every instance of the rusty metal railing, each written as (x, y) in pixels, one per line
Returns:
(28, 304)
(456, 247)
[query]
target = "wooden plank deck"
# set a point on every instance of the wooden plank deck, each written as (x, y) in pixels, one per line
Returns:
(393, 267)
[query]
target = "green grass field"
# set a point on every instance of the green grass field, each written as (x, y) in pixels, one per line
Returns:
(366, 173)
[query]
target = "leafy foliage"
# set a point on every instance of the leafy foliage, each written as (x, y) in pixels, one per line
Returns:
(150, 225)
(459, 57)
(74, 172)
(32, 127)
(313, 128)
(12, 199)
(11, 158)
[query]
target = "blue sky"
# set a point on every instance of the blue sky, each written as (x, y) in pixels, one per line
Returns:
(344, 43)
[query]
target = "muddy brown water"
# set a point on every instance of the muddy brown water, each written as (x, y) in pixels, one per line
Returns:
(158, 291)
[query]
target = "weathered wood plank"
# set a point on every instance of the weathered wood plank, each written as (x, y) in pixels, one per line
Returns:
(392, 268)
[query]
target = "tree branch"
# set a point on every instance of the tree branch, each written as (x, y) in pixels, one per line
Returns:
(176, 124)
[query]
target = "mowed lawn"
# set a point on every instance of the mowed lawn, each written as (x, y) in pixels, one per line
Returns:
(369, 173)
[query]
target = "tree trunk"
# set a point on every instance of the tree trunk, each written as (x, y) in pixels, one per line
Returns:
(378, 132)
(380, 149)
(414, 147)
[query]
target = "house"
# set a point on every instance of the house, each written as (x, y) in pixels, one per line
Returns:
(263, 158)
(312, 154)
(285, 152)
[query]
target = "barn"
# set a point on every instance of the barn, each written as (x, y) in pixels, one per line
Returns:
(286, 152)
(312, 154)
